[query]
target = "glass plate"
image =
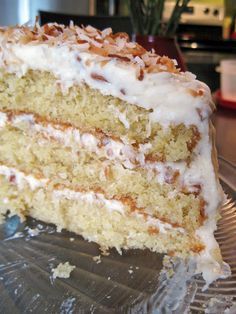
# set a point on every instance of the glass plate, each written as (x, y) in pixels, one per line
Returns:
(135, 282)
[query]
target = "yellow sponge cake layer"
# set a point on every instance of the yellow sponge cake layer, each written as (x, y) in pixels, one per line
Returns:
(95, 218)
(87, 109)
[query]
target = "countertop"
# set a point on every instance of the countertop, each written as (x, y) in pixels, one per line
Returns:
(224, 121)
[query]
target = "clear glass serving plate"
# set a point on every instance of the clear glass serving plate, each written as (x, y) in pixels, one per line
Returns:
(135, 282)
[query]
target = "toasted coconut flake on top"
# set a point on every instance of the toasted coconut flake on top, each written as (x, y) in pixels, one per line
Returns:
(106, 32)
(103, 43)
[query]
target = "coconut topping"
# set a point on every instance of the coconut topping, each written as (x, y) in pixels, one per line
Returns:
(89, 39)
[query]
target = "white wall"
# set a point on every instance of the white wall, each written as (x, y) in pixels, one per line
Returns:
(80, 7)
(21, 11)
(9, 12)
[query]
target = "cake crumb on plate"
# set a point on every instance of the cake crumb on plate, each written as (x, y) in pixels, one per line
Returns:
(97, 259)
(62, 270)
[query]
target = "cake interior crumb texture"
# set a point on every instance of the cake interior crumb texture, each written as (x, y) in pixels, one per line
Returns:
(103, 138)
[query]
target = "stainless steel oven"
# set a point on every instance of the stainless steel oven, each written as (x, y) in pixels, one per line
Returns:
(199, 12)
(200, 39)
(204, 62)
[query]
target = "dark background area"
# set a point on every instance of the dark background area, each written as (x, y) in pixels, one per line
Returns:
(202, 45)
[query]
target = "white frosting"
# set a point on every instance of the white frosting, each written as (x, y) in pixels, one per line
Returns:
(3, 119)
(122, 117)
(21, 118)
(206, 263)
(91, 198)
(20, 178)
(202, 171)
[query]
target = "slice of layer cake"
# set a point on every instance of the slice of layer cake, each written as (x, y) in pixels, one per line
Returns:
(107, 140)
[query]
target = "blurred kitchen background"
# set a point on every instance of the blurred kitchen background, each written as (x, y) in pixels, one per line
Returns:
(206, 34)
